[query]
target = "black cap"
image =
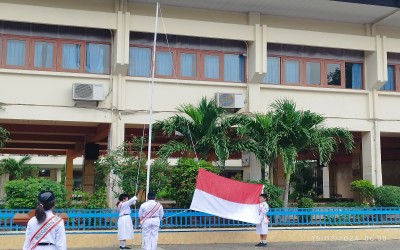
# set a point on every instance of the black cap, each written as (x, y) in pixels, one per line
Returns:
(151, 196)
(46, 197)
(264, 195)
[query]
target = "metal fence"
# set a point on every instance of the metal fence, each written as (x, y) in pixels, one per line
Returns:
(106, 219)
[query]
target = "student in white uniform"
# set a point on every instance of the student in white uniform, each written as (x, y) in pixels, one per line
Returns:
(45, 230)
(125, 225)
(262, 226)
(150, 215)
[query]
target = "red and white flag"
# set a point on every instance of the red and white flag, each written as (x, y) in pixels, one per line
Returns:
(226, 198)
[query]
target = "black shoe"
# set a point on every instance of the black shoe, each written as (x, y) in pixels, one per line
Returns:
(124, 247)
(261, 244)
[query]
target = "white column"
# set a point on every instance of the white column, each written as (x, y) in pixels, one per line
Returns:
(325, 182)
(368, 157)
(58, 175)
(255, 168)
(3, 179)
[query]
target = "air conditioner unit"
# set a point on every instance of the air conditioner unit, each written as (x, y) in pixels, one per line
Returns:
(231, 101)
(87, 92)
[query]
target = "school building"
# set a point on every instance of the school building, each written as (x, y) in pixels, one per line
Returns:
(75, 75)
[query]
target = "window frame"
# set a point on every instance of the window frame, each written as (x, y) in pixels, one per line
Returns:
(342, 73)
(220, 55)
(109, 59)
(32, 53)
(301, 71)
(3, 61)
(82, 56)
(174, 69)
(322, 66)
(178, 62)
(397, 77)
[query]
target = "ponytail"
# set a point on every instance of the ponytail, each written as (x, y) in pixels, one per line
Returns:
(40, 213)
(41, 209)
(117, 203)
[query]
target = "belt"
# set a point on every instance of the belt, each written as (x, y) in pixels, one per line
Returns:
(154, 217)
(45, 244)
(124, 215)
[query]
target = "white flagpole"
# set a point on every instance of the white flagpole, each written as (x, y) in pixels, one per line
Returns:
(151, 104)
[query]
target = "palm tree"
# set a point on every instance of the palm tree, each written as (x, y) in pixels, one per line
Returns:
(3, 137)
(205, 130)
(17, 169)
(259, 129)
(302, 131)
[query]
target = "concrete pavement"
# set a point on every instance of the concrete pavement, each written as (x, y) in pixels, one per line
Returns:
(379, 244)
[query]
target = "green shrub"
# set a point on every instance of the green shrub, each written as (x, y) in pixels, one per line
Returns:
(387, 196)
(23, 193)
(305, 202)
(364, 187)
(183, 180)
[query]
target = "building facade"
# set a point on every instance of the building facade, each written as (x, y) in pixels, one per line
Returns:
(340, 59)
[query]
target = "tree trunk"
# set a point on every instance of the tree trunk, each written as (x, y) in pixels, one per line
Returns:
(286, 194)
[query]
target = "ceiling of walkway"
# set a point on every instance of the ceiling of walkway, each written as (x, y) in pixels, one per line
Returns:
(379, 12)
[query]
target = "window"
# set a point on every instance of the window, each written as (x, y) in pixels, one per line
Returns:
(314, 66)
(54, 48)
(15, 51)
(188, 65)
(313, 73)
(97, 58)
(233, 68)
(273, 70)
(43, 54)
(353, 75)
(291, 71)
(334, 74)
(211, 67)
(390, 84)
(139, 61)
(164, 62)
(71, 56)
(191, 58)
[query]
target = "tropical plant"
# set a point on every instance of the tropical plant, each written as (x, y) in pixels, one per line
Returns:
(273, 192)
(387, 196)
(302, 131)
(183, 179)
(17, 169)
(23, 193)
(364, 188)
(258, 129)
(128, 163)
(3, 137)
(303, 180)
(205, 130)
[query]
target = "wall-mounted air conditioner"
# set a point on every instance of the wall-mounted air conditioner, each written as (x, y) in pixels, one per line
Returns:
(87, 92)
(231, 101)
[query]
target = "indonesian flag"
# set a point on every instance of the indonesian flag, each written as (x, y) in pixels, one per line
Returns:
(226, 198)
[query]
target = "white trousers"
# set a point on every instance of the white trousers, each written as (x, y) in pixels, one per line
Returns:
(150, 229)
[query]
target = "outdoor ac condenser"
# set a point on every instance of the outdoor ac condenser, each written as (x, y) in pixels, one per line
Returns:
(87, 92)
(231, 101)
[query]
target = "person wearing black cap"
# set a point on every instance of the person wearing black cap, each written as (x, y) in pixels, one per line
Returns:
(150, 215)
(45, 230)
(262, 226)
(125, 226)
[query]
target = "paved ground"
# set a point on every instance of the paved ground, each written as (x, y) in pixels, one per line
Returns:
(317, 245)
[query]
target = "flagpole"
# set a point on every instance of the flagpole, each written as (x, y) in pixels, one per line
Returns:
(151, 104)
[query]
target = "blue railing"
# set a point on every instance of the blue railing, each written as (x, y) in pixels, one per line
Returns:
(106, 219)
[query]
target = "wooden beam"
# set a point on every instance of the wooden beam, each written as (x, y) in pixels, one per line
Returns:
(46, 138)
(33, 151)
(77, 151)
(101, 133)
(39, 146)
(49, 129)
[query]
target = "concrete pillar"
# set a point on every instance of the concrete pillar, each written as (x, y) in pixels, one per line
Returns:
(88, 176)
(371, 158)
(69, 170)
(58, 175)
(255, 168)
(325, 182)
(3, 179)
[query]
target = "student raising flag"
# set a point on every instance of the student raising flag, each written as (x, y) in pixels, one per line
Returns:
(226, 198)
